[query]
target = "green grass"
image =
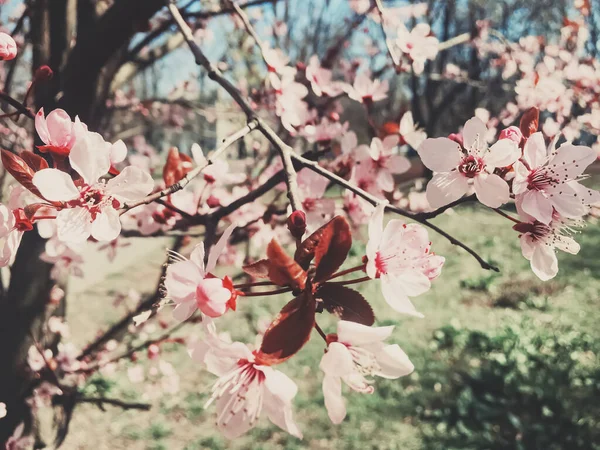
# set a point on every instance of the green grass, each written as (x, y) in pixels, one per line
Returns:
(464, 295)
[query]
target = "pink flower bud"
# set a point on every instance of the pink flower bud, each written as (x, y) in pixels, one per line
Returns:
(296, 223)
(8, 47)
(456, 138)
(513, 133)
(43, 74)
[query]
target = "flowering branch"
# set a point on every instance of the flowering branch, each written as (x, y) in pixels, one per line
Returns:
(251, 125)
(216, 75)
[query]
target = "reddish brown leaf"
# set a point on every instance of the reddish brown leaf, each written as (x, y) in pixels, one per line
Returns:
(283, 270)
(389, 128)
(529, 121)
(346, 303)
(34, 161)
(20, 170)
(176, 166)
(306, 251)
(258, 269)
(290, 330)
(332, 249)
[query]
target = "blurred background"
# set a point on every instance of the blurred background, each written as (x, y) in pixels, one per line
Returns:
(502, 360)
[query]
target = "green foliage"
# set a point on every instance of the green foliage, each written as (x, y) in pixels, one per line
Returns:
(523, 387)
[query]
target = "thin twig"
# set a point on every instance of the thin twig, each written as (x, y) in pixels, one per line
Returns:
(195, 172)
(100, 401)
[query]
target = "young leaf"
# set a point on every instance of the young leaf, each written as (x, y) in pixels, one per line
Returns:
(176, 166)
(290, 330)
(283, 270)
(333, 248)
(20, 170)
(529, 121)
(346, 303)
(258, 269)
(306, 251)
(34, 161)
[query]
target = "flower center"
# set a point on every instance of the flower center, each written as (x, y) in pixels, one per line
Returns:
(471, 165)
(540, 179)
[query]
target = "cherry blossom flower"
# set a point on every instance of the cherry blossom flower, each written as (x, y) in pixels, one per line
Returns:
(383, 161)
(364, 90)
(546, 181)
(191, 286)
(321, 80)
(8, 47)
(56, 131)
(92, 204)
(539, 241)
(400, 257)
(246, 387)
(10, 236)
(311, 189)
(418, 44)
(454, 169)
(409, 132)
(357, 351)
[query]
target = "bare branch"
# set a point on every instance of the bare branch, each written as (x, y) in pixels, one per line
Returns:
(101, 401)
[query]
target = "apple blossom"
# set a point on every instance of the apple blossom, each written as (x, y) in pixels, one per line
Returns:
(454, 168)
(400, 257)
(189, 283)
(547, 181)
(91, 205)
(354, 353)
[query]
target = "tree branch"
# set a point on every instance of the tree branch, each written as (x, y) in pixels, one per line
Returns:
(101, 401)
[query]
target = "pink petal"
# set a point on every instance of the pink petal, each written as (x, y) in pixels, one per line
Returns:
(502, 154)
(337, 361)
(106, 225)
(544, 263)
(398, 164)
(491, 190)
(233, 425)
(394, 293)
(279, 384)
(59, 128)
(73, 225)
(356, 334)
(55, 185)
(41, 126)
(90, 157)
(218, 248)
(212, 297)
(474, 133)
(534, 152)
(444, 188)
(571, 161)
(183, 311)
(197, 257)
(568, 201)
(393, 362)
(118, 152)
(181, 281)
(440, 154)
(334, 402)
(130, 185)
(537, 205)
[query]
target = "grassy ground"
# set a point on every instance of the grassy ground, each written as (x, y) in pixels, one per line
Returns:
(464, 294)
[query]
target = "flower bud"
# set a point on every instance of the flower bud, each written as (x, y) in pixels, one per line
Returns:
(43, 74)
(8, 47)
(513, 133)
(456, 138)
(296, 223)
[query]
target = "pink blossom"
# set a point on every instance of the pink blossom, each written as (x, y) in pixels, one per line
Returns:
(321, 79)
(539, 242)
(246, 388)
(56, 131)
(418, 44)
(384, 162)
(454, 168)
(365, 90)
(400, 257)
(2, 410)
(357, 352)
(513, 133)
(409, 132)
(191, 285)
(546, 181)
(92, 204)
(8, 47)
(311, 189)
(10, 236)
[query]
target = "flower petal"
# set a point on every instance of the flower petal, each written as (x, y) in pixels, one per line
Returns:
(444, 188)
(491, 190)
(393, 362)
(502, 154)
(55, 185)
(130, 185)
(218, 248)
(89, 156)
(544, 263)
(440, 154)
(334, 402)
(107, 225)
(396, 297)
(73, 225)
(356, 334)
(474, 133)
